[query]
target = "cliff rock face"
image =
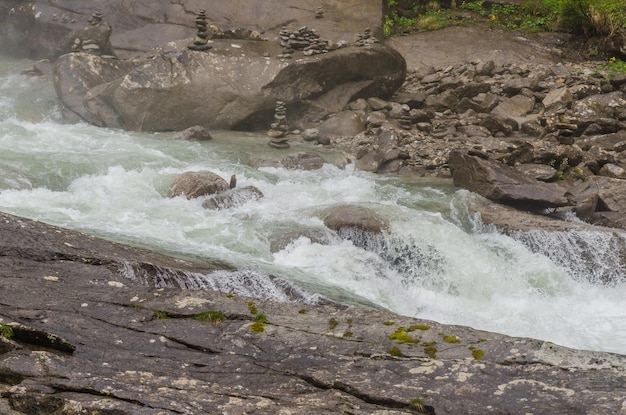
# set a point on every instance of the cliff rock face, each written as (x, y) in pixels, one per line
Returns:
(235, 85)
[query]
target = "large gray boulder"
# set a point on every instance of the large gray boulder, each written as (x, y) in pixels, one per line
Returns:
(233, 86)
(503, 184)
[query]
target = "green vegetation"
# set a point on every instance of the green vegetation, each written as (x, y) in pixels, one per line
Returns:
(423, 327)
(389, 323)
(401, 335)
(477, 354)
(588, 17)
(252, 307)
(451, 339)
(6, 331)
(210, 316)
(302, 311)
(616, 65)
(160, 315)
(260, 317)
(257, 327)
(417, 403)
(394, 351)
(430, 350)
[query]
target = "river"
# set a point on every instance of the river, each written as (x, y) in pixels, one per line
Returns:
(437, 263)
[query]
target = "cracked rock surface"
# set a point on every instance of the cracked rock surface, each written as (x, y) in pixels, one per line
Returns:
(83, 338)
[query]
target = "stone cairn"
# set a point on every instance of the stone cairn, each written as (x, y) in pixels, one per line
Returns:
(89, 45)
(319, 12)
(304, 39)
(405, 118)
(201, 41)
(365, 38)
(278, 129)
(96, 18)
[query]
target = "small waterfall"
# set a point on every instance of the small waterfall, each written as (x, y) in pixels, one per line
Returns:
(595, 257)
(246, 283)
(419, 263)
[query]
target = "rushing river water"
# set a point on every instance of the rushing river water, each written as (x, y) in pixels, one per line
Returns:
(437, 263)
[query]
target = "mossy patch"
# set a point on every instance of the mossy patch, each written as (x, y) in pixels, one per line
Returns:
(394, 351)
(451, 339)
(6, 331)
(210, 316)
(160, 315)
(302, 311)
(257, 327)
(389, 323)
(430, 350)
(252, 307)
(260, 317)
(422, 327)
(477, 354)
(401, 335)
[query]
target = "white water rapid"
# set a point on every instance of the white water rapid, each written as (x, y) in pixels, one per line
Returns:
(437, 262)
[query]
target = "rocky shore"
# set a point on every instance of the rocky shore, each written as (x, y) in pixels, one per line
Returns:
(81, 336)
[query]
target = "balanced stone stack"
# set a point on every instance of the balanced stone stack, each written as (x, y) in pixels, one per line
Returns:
(405, 118)
(201, 41)
(96, 18)
(278, 129)
(304, 39)
(319, 12)
(365, 38)
(89, 45)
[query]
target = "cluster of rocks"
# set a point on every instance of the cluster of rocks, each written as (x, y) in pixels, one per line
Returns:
(304, 39)
(279, 128)
(201, 40)
(561, 124)
(365, 38)
(319, 12)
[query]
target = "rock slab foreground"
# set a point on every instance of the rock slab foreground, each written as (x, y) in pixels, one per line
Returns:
(84, 337)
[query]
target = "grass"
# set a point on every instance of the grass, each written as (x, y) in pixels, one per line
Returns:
(615, 65)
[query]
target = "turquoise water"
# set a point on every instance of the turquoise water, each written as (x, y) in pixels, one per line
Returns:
(436, 263)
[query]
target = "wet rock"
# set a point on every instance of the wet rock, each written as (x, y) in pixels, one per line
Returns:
(232, 198)
(353, 216)
(370, 160)
(194, 184)
(503, 184)
(195, 133)
(303, 161)
(282, 240)
(310, 134)
(345, 123)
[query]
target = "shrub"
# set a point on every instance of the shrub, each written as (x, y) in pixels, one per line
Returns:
(592, 17)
